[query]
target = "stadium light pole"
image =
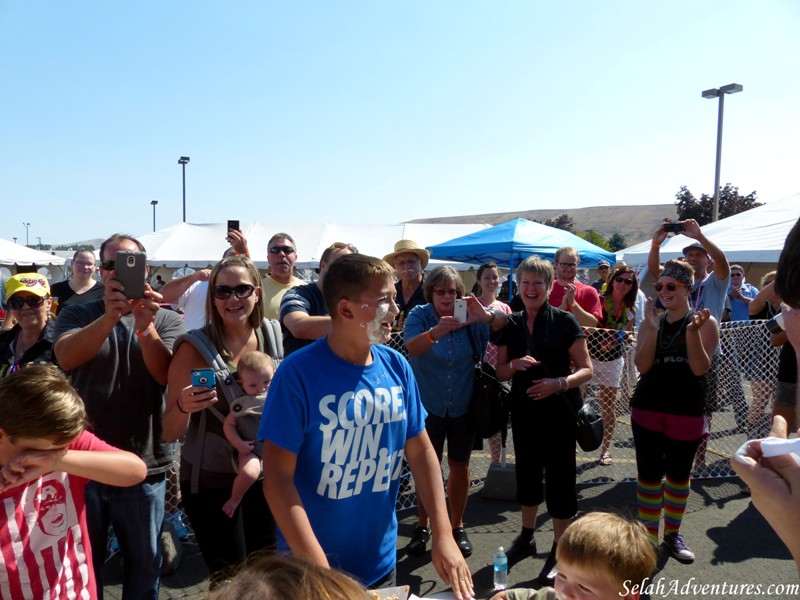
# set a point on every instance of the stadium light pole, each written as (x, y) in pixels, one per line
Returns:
(154, 203)
(182, 161)
(27, 227)
(731, 88)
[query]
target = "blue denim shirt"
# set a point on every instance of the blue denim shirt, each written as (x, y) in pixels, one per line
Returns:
(445, 373)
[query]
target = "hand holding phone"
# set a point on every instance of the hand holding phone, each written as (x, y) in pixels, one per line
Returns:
(130, 269)
(204, 378)
(233, 224)
(460, 310)
(673, 227)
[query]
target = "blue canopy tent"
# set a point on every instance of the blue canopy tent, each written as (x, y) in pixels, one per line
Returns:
(508, 244)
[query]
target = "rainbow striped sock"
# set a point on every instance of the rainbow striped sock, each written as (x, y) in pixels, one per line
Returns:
(676, 497)
(649, 497)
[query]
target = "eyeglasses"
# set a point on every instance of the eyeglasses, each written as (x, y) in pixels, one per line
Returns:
(671, 287)
(567, 265)
(446, 292)
(279, 249)
(736, 274)
(619, 279)
(108, 265)
(602, 268)
(223, 292)
(32, 301)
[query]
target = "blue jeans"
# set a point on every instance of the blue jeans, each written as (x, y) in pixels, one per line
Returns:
(136, 513)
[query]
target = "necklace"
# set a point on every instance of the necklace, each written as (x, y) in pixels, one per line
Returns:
(669, 343)
(618, 321)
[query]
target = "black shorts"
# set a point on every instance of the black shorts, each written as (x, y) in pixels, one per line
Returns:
(459, 433)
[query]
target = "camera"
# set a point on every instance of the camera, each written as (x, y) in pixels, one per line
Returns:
(673, 227)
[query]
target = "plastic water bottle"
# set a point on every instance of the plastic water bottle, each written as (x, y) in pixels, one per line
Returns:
(500, 561)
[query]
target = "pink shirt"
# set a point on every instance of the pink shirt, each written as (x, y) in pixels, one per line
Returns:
(585, 296)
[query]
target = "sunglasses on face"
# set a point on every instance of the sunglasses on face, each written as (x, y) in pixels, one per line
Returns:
(107, 265)
(671, 287)
(31, 301)
(736, 274)
(619, 279)
(223, 292)
(279, 249)
(446, 292)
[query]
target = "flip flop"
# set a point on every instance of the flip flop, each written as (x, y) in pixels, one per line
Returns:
(605, 459)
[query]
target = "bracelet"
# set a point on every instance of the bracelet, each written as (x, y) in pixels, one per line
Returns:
(569, 307)
(656, 245)
(180, 408)
(494, 314)
(566, 383)
(430, 337)
(145, 332)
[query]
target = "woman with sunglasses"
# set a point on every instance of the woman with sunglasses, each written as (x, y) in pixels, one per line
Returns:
(668, 415)
(234, 313)
(30, 340)
(606, 347)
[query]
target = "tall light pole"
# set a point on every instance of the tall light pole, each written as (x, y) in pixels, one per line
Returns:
(154, 203)
(182, 161)
(39, 245)
(731, 88)
(15, 240)
(27, 226)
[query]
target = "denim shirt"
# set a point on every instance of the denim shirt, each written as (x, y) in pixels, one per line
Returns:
(445, 373)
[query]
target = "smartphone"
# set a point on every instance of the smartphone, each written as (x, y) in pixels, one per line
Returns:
(130, 269)
(673, 227)
(204, 378)
(233, 225)
(460, 312)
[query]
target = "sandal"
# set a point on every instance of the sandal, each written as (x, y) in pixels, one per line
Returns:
(605, 459)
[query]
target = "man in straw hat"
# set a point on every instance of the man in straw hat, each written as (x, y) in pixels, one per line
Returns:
(409, 262)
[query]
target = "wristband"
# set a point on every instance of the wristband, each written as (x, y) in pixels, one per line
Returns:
(180, 408)
(145, 332)
(569, 307)
(656, 245)
(494, 314)
(430, 337)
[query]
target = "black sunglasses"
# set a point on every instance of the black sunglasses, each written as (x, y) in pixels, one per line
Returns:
(108, 265)
(223, 292)
(619, 279)
(670, 286)
(32, 301)
(279, 249)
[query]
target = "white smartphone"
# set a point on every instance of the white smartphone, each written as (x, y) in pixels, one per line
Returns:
(460, 311)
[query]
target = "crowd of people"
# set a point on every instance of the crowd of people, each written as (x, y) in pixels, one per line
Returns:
(293, 419)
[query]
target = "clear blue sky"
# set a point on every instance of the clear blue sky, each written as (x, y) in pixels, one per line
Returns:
(364, 112)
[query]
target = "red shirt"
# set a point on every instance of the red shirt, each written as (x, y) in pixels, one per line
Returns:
(585, 296)
(44, 539)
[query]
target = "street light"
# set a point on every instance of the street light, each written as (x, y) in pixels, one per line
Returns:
(154, 202)
(15, 240)
(182, 161)
(731, 88)
(27, 226)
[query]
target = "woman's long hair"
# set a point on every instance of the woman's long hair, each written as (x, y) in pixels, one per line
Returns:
(629, 300)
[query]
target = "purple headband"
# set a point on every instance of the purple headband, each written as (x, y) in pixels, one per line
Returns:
(676, 272)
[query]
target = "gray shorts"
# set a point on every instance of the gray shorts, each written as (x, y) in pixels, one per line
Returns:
(786, 394)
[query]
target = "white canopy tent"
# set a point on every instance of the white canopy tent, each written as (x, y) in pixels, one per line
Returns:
(200, 245)
(754, 236)
(17, 254)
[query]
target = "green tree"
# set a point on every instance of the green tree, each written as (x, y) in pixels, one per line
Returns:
(616, 242)
(702, 210)
(564, 222)
(591, 236)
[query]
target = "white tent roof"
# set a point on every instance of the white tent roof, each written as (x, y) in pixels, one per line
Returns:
(196, 246)
(756, 235)
(11, 253)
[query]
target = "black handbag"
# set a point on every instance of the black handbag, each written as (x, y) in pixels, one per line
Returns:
(489, 402)
(589, 430)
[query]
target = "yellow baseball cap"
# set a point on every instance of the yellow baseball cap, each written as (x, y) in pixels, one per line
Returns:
(27, 282)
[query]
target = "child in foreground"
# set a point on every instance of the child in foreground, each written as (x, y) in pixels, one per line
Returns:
(46, 460)
(600, 556)
(254, 371)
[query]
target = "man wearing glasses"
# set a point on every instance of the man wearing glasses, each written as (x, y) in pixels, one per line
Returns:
(603, 269)
(571, 295)
(117, 351)
(282, 254)
(304, 316)
(740, 294)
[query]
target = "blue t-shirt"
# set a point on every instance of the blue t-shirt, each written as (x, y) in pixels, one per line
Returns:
(710, 293)
(348, 426)
(740, 310)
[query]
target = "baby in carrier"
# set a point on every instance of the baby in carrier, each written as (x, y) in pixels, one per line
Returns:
(254, 373)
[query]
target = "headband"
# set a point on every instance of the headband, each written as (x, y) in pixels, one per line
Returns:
(676, 272)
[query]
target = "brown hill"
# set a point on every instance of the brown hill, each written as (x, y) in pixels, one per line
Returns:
(636, 223)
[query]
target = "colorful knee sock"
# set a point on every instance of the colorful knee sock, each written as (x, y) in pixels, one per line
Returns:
(649, 497)
(676, 497)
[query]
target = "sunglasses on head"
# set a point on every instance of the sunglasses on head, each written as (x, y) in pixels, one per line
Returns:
(620, 279)
(223, 292)
(32, 301)
(671, 287)
(279, 249)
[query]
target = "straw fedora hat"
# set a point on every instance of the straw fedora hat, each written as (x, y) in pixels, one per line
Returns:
(406, 247)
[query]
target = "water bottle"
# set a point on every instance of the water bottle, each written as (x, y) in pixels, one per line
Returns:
(500, 561)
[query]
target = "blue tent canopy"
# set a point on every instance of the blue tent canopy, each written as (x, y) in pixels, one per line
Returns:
(508, 244)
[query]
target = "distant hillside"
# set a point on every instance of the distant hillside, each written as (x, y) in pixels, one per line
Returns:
(636, 223)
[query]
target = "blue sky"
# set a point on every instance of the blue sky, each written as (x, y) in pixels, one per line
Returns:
(381, 112)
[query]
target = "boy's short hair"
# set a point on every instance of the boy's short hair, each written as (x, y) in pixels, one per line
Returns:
(350, 276)
(611, 545)
(255, 361)
(39, 402)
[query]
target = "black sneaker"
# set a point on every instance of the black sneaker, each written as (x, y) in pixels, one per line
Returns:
(419, 541)
(462, 541)
(520, 549)
(678, 549)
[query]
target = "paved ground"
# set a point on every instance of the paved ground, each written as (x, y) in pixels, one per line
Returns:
(733, 543)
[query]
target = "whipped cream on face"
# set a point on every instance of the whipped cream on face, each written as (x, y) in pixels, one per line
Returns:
(375, 331)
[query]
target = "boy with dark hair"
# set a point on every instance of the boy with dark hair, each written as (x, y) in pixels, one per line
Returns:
(46, 460)
(340, 416)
